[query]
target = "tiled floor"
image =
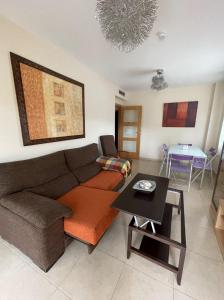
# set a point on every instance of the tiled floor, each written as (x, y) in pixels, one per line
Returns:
(107, 274)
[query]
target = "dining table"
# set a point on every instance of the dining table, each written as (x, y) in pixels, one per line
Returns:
(194, 151)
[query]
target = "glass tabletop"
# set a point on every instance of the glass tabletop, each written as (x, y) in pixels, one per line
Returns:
(191, 151)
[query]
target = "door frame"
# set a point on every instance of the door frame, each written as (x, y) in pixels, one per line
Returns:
(118, 107)
(122, 108)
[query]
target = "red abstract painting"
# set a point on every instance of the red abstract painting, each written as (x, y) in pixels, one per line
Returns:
(180, 114)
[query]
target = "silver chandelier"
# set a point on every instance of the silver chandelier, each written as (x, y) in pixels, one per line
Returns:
(158, 81)
(126, 23)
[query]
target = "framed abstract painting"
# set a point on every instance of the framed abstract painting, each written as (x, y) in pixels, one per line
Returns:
(180, 114)
(51, 105)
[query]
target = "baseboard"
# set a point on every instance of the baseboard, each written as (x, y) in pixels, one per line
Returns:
(150, 159)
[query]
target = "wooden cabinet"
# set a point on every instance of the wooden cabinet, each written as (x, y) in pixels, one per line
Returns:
(218, 202)
(220, 216)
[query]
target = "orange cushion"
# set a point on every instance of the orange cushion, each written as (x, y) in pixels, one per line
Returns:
(105, 180)
(92, 213)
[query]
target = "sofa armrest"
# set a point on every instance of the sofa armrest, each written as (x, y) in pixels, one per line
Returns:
(38, 210)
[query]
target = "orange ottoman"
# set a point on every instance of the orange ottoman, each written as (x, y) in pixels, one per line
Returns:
(105, 180)
(92, 214)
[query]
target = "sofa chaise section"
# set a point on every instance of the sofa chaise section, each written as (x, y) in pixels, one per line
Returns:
(92, 213)
(34, 221)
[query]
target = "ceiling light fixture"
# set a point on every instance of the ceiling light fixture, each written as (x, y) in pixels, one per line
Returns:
(158, 81)
(126, 23)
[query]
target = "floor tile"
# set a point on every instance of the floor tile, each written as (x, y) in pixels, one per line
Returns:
(199, 216)
(151, 269)
(9, 261)
(180, 296)
(193, 198)
(135, 285)
(58, 295)
(73, 253)
(123, 219)
(206, 193)
(200, 240)
(94, 277)
(25, 284)
(114, 242)
(203, 242)
(18, 253)
(203, 278)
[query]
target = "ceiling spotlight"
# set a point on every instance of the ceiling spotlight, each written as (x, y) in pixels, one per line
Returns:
(158, 81)
(162, 35)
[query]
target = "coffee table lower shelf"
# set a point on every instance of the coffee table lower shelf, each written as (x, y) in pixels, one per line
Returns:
(156, 246)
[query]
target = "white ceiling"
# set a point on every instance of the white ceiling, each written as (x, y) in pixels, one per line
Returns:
(192, 53)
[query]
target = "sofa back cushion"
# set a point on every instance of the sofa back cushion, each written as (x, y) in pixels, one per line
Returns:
(20, 175)
(87, 172)
(56, 187)
(82, 161)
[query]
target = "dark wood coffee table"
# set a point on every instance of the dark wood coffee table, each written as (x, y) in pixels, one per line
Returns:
(156, 228)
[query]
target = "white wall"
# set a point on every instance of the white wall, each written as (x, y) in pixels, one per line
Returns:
(153, 135)
(216, 118)
(99, 93)
(121, 101)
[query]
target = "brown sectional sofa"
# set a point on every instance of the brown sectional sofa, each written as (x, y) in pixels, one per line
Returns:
(45, 199)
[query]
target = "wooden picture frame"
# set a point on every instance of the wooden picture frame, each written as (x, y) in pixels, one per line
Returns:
(51, 105)
(180, 114)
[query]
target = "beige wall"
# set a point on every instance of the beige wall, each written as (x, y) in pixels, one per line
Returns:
(154, 135)
(216, 118)
(121, 101)
(99, 102)
(99, 93)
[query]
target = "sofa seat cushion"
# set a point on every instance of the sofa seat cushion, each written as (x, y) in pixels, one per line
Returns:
(92, 213)
(105, 180)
